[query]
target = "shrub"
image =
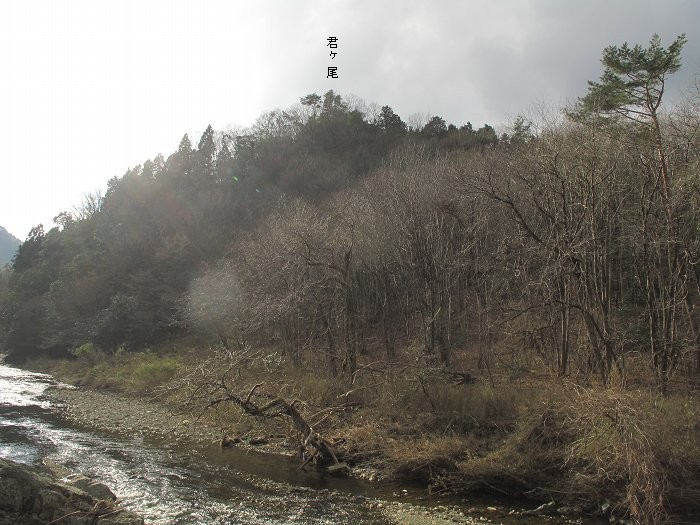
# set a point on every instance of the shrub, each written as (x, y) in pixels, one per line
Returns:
(150, 371)
(600, 446)
(83, 351)
(88, 354)
(629, 453)
(616, 452)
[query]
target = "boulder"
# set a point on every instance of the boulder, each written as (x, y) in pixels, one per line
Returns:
(94, 488)
(35, 497)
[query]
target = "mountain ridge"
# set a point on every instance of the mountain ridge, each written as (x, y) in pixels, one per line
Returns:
(8, 246)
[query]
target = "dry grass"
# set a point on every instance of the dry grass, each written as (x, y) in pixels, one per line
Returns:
(422, 427)
(427, 459)
(139, 372)
(635, 450)
(632, 449)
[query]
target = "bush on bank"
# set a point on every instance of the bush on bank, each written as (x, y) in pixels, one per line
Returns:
(122, 371)
(633, 454)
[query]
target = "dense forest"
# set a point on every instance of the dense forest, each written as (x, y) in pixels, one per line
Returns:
(333, 231)
(123, 269)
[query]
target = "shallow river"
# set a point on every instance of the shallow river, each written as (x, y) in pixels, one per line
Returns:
(179, 485)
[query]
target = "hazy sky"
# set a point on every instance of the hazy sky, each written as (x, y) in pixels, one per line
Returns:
(90, 88)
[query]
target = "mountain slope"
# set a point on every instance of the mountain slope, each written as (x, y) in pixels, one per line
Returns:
(8, 246)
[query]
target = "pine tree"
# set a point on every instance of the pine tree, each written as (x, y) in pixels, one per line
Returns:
(224, 164)
(206, 153)
(632, 88)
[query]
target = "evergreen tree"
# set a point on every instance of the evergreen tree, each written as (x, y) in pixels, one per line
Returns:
(158, 165)
(30, 250)
(436, 127)
(312, 101)
(185, 147)
(148, 171)
(206, 153)
(224, 164)
(333, 104)
(389, 122)
(632, 87)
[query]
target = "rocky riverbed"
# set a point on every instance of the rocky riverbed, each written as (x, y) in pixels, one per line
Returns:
(117, 413)
(129, 416)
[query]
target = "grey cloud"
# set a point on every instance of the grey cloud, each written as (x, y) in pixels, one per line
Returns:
(470, 61)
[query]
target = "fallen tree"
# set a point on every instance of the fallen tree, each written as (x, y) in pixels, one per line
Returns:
(219, 380)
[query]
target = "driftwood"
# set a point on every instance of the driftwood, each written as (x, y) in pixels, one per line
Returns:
(211, 384)
(275, 407)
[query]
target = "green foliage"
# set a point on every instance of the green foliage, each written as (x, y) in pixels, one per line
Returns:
(632, 83)
(521, 131)
(85, 350)
(436, 127)
(30, 249)
(390, 123)
(152, 371)
(129, 372)
(313, 101)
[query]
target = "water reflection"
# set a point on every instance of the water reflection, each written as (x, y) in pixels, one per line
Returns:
(166, 485)
(169, 483)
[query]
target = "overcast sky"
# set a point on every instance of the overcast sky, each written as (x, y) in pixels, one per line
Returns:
(89, 89)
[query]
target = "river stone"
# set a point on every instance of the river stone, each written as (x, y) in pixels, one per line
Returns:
(29, 496)
(48, 504)
(16, 487)
(94, 488)
(26, 491)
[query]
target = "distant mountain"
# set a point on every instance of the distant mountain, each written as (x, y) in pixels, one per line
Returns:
(8, 246)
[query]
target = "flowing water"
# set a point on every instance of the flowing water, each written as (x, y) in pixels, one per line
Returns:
(177, 484)
(170, 485)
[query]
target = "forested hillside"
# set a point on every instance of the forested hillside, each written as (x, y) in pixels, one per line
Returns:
(117, 272)
(331, 232)
(8, 246)
(413, 280)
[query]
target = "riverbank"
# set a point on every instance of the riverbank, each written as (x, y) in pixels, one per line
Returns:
(614, 453)
(117, 413)
(127, 415)
(170, 482)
